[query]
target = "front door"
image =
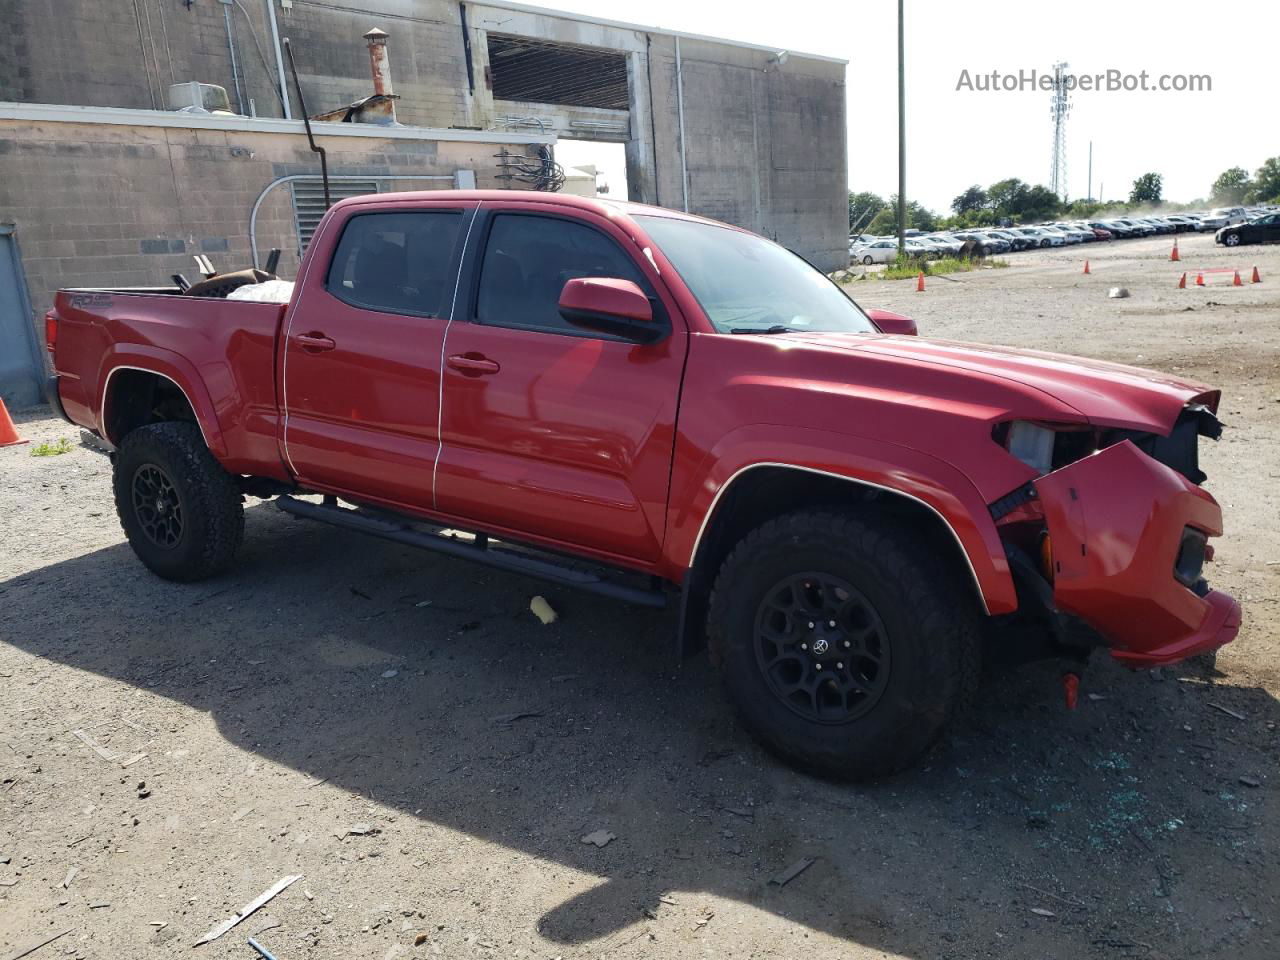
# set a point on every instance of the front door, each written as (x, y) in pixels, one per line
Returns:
(548, 430)
(362, 348)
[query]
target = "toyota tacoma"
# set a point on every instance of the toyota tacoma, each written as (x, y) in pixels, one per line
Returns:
(668, 410)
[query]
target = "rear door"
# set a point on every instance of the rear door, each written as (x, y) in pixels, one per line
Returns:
(362, 346)
(548, 430)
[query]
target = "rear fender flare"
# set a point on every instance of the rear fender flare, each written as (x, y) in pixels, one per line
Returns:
(172, 367)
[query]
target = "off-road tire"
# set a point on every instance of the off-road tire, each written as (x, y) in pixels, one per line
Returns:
(212, 513)
(930, 618)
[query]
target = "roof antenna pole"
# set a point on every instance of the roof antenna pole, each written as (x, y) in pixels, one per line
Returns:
(306, 122)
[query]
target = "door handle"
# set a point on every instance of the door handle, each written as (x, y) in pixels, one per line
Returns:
(472, 364)
(315, 342)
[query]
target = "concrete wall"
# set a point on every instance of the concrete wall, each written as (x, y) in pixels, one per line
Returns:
(765, 142)
(98, 204)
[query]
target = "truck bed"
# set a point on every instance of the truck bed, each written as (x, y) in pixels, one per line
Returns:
(220, 353)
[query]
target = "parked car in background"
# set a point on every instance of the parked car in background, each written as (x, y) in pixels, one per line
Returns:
(1137, 226)
(881, 251)
(1016, 241)
(1224, 217)
(1068, 238)
(1161, 224)
(1099, 233)
(923, 251)
(1183, 223)
(1084, 233)
(1264, 229)
(934, 246)
(986, 244)
(947, 242)
(1118, 231)
(1042, 237)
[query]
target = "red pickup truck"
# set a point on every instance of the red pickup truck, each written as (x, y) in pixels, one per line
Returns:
(658, 407)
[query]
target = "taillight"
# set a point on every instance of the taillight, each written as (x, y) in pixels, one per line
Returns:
(50, 330)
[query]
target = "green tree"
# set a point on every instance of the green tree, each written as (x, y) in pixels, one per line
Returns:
(1231, 186)
(1006, 197)
(1082, 210)
(1039, 203)
(918, 218)
(1266, 182)
(1146, 189)
(975, 198)
(862, 207)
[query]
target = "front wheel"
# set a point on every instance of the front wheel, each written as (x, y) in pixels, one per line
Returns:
(868, 260)
(844, 643)
(1232, 239)
(181, 512)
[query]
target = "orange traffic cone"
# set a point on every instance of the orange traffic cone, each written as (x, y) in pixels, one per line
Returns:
(1256, 278)
(1235, 282)
(8, 435)
(1174, 256)
(1199, 279)
(1182, 283)
(1086, 266)
(920, 283)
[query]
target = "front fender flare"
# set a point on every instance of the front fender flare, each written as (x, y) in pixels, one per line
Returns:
(890, 467)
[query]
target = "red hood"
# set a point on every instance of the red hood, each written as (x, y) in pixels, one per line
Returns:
(1106, 394)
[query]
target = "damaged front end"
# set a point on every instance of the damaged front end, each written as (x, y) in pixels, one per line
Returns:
(1108, 543)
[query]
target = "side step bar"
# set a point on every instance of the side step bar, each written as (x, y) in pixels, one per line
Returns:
(479, 552)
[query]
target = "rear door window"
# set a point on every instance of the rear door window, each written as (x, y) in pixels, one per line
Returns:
(397, 262)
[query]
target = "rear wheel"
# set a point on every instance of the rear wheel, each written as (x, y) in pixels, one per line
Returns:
(179, 509)
(845, 645)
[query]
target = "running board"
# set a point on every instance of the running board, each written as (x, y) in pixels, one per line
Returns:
(479, 552)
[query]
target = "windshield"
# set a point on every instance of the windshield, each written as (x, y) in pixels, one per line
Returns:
(745, 283)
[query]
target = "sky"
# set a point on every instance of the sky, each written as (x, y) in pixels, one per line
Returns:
(958, 137)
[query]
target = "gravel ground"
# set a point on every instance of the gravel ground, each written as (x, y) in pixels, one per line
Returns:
(404, 734)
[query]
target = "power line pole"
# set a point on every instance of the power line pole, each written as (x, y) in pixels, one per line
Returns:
(902, 140)
(1089, 195)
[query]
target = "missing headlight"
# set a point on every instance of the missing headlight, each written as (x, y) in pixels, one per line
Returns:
(1032, 444)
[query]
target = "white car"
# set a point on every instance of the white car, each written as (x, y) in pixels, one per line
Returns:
(1067, 238)
(881, 251)
(1084, 233)
(1224, 217)
(1042, 237)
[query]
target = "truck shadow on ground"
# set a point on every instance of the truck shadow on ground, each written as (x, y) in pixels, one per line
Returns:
(1126, 820)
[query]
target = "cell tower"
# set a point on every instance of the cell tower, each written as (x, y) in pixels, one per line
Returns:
(1060, 107)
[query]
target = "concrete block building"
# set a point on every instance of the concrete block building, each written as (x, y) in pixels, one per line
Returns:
(105, 180)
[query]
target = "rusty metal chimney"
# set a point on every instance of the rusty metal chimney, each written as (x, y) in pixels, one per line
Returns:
(380, 65)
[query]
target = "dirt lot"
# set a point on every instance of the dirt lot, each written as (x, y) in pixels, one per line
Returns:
(402, 732)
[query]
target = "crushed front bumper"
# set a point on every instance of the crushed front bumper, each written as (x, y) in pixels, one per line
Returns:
(1117, 522)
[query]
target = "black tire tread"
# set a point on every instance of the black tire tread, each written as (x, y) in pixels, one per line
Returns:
(214, 503)
(941, 601)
